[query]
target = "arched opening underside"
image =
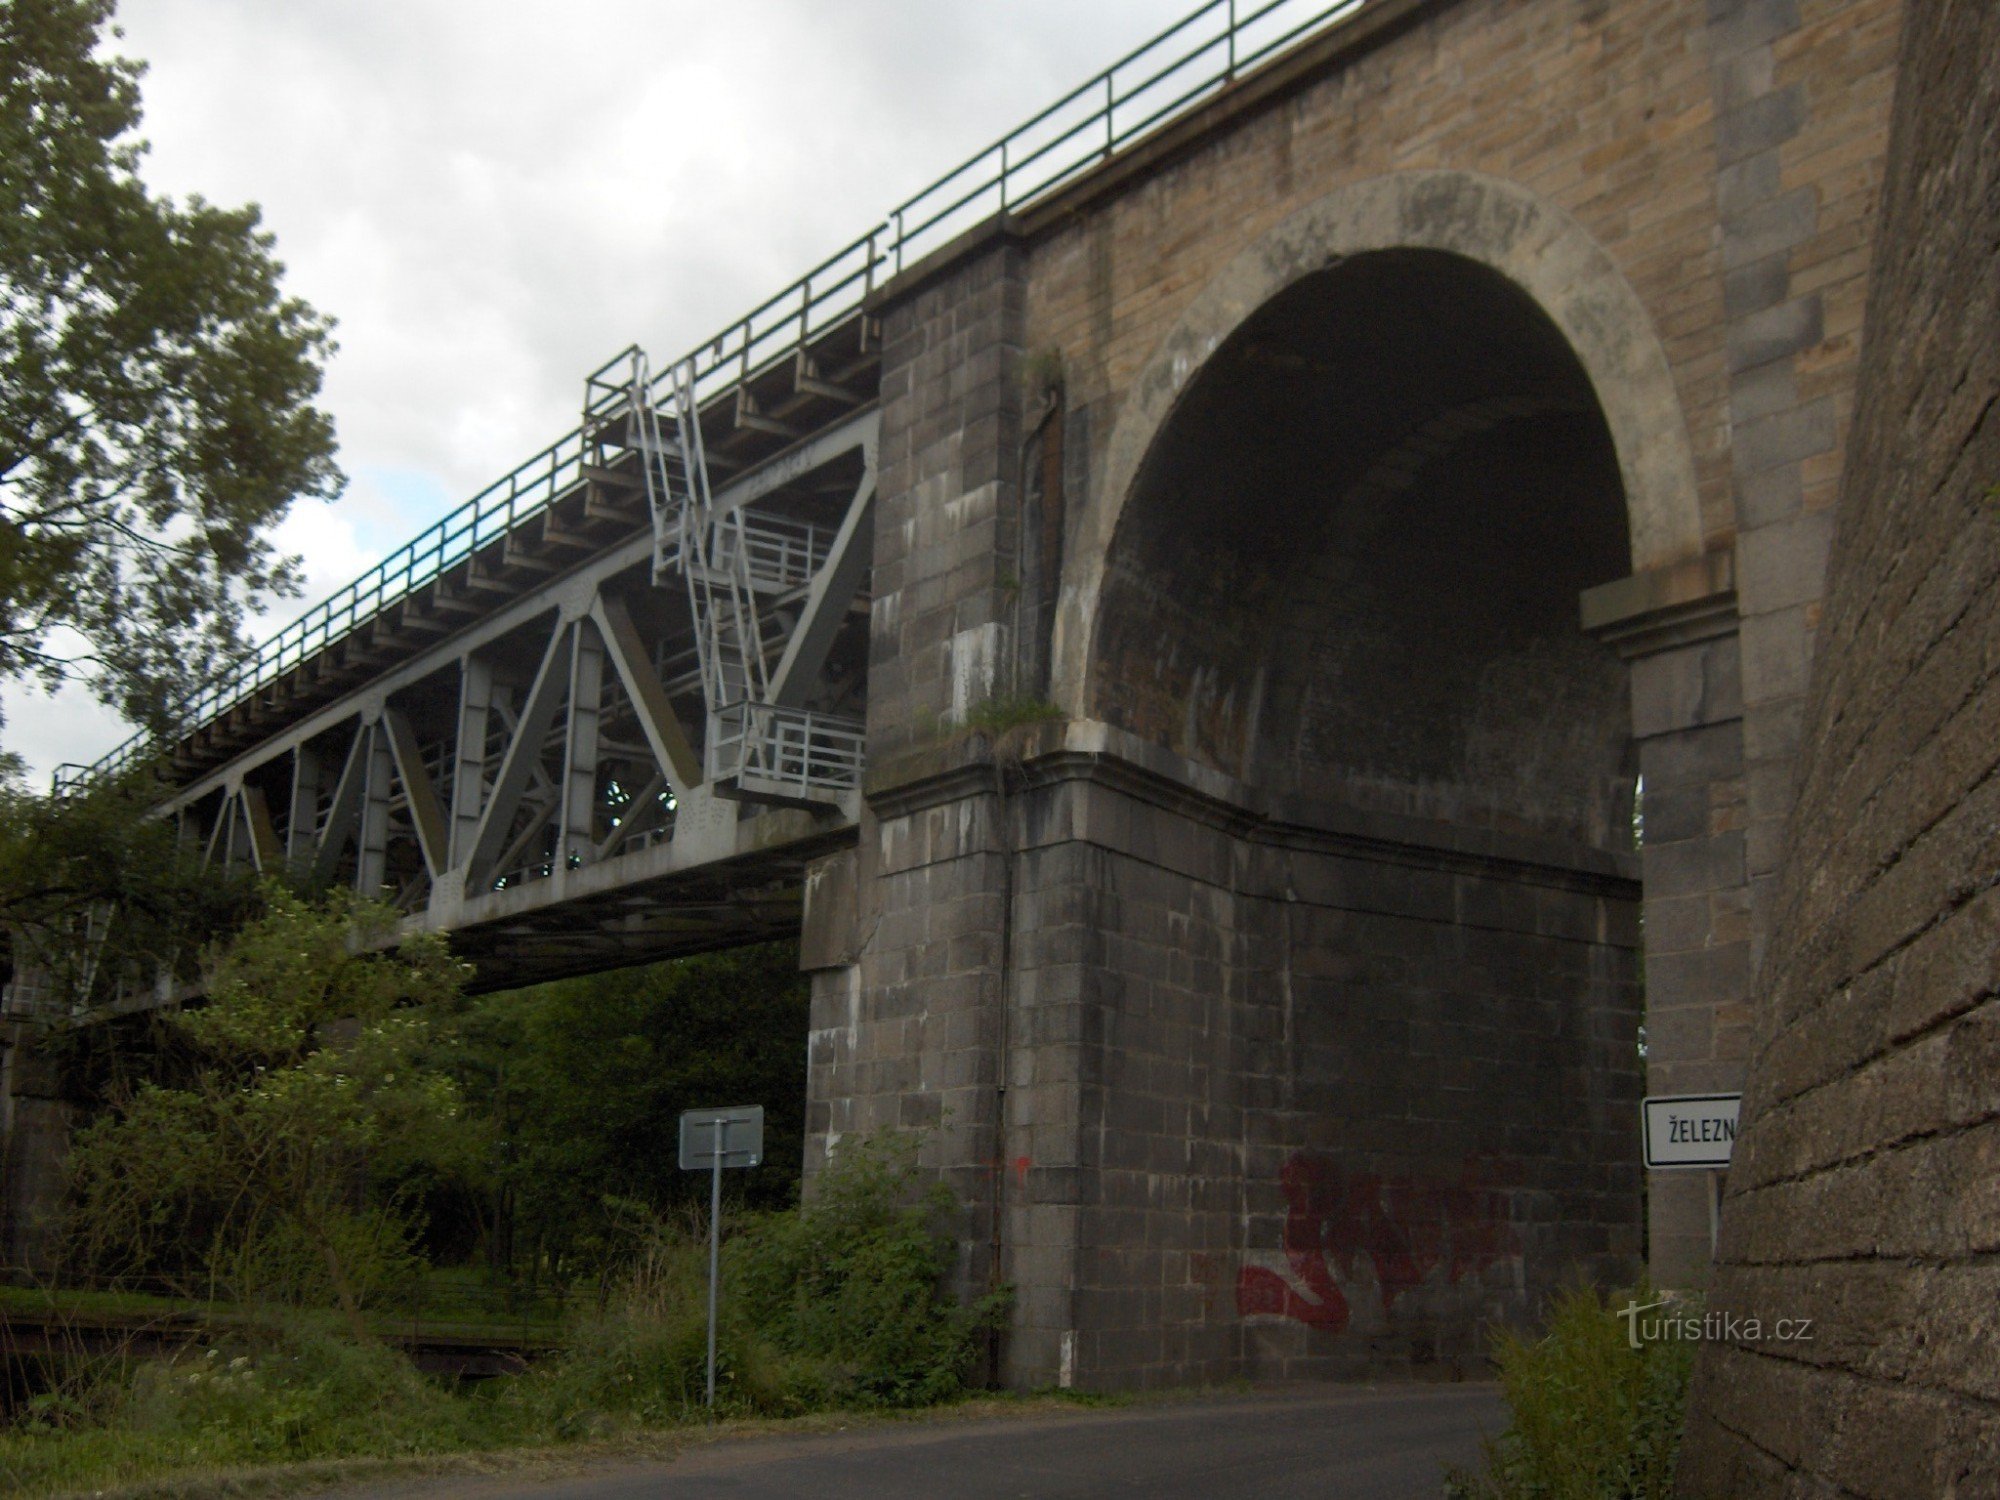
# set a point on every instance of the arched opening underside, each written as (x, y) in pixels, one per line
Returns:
(1350, 564)
(1346, 574)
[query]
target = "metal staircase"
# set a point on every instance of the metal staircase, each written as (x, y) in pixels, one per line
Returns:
(750, 578)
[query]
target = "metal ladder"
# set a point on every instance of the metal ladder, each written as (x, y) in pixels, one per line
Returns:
(754, 747)
(707, 550)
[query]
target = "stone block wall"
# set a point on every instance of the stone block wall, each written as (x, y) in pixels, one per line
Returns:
(1866, 1191)
(1286, 1091)
(948, 484)
(1161, 1033)
(1652, 122)
(1347, 1092)
(1679, 630)
(906, 1020)
(1726, 154)
(35, 1121)
(1796, 189)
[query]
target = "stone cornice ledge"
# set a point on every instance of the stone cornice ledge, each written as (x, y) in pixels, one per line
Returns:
(1089, 749)
(1663, 608)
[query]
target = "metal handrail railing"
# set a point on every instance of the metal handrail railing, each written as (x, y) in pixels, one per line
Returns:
(794, 751)
(1196, 57)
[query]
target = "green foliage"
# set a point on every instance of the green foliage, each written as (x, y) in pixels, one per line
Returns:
(156, 386)
(1008, 711)
(855, 1280)
(1593, 1417)
(309, 1394)
(281, 1159)
(644, 1357)
(95, 893)
(584, 1082)
(304, 1393)
(842, 1302)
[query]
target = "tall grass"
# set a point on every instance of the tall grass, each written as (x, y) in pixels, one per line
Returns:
(642, 1357)
(301, 1392)
(840, 1303)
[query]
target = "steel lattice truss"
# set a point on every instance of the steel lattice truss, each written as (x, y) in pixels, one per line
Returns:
(556, 780)
(578, 728)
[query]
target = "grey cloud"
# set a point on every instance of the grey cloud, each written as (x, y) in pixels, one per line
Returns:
(493, 198)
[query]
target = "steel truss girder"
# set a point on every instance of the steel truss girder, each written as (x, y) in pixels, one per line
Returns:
(855, 434)
(429, 782)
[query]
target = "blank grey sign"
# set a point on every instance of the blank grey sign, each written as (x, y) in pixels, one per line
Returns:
(737, 1132)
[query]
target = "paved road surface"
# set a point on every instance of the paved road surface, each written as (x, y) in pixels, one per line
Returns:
(1327, 1443)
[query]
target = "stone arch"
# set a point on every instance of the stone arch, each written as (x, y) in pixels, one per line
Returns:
(1530, 242)
(1336, 557)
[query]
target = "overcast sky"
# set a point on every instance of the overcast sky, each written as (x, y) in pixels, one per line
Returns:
(494, 198)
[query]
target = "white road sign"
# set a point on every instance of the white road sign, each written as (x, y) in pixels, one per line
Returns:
(1690, 1131)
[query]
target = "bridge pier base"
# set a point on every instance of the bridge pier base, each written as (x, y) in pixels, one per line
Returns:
(35, 1122)
(1289, 1090)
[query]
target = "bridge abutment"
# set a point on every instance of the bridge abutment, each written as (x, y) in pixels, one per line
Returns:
(36, 1115)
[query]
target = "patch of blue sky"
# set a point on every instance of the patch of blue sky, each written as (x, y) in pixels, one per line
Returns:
(387, 506)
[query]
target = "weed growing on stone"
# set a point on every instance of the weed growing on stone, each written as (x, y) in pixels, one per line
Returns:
(1010, 711)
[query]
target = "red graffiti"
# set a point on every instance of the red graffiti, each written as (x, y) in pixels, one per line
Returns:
(1018, 1167)
(1405, 1227)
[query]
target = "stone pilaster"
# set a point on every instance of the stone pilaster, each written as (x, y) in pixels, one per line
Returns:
(907, 937)
(1677, 627)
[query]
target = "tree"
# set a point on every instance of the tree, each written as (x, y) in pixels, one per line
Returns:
(584, 1081)
(156, 387)
(288, 1162)
(97, 897)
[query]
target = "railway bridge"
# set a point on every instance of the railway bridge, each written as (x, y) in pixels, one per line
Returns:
(1175, 617)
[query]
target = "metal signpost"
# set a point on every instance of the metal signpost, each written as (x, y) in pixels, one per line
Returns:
(1692, 1133)
(712, 1139)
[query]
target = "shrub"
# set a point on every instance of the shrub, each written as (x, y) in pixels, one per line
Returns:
(855, 1281)
(645, 1356)
(842, 1301)
(1593, 1417)
(307, 1090)
(307, 1394)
